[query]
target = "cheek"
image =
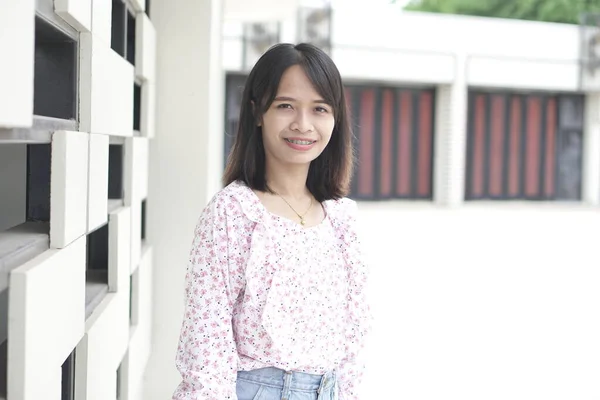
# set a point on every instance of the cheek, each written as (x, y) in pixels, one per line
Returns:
(273, 123)
(327, 129)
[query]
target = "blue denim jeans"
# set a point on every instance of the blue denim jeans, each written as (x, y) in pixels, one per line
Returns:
(277, 384)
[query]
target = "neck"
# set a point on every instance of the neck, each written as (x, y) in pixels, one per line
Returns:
(289, 181)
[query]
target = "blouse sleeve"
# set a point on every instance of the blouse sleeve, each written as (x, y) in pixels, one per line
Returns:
(207, 356)
(351, 369)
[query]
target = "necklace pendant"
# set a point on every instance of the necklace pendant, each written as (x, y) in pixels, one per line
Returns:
(302, 221)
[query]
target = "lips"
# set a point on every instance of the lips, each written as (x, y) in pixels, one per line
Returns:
(300, 144)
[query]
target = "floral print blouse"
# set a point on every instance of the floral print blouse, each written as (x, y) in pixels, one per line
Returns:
(264, 291)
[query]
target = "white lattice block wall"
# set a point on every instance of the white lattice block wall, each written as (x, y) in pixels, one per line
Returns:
(76, 12)
(119, 250)
(106, 86)
(16, 76)
(79, 183)
(68, 201)
(46, 307)
(102, 348)
(97, 181)
(140, 340)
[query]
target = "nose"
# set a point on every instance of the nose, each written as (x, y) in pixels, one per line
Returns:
(302, 123)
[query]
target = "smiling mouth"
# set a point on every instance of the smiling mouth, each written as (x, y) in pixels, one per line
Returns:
(301, 142)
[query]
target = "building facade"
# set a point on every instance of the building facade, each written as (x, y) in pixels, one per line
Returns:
(448, 108)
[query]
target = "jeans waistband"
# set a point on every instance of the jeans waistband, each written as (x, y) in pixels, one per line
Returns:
(292, 380)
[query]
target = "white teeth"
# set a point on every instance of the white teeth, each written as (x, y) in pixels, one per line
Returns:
(303, 142)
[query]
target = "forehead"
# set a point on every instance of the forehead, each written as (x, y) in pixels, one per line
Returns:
(295, 81)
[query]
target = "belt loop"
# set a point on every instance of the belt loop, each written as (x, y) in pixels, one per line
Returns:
(287, 385)
(324, 380)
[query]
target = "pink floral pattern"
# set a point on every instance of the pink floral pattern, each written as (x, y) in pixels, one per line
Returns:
(262, 290)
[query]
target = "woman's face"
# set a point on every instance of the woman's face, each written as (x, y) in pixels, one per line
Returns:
(298, 125)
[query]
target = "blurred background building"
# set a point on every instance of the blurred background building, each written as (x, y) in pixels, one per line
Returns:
(478, 181)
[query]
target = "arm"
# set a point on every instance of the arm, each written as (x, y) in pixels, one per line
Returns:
(207, 356)
(350, 370)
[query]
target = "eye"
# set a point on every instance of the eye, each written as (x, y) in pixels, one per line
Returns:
(284, 106)
(321, 110)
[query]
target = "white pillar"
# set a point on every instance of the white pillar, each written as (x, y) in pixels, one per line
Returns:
(451, 139)
(591, 150)
(185, 163)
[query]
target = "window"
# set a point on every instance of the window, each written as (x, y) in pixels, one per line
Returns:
(394, 142)
(524, 146)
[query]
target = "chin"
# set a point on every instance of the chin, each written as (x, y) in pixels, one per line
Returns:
(301, 158)
(302, 161)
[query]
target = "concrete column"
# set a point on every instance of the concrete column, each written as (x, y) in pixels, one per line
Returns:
(185, 163)
(591, 150)
(451, 139)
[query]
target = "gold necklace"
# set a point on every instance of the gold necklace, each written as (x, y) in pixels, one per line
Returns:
(301, 216)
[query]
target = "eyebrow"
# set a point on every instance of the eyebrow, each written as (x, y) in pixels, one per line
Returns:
(285, 98)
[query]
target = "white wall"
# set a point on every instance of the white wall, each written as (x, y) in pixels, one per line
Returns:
(420, 47)
(383, 43)
(483, 302)
(240, 10)
(185, 163)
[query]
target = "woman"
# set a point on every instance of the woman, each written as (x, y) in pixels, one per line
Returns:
(275, 287)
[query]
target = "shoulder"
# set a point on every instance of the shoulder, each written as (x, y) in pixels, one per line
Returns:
(230, 194)
(342, 205)
(342, 211)
(234, 200)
